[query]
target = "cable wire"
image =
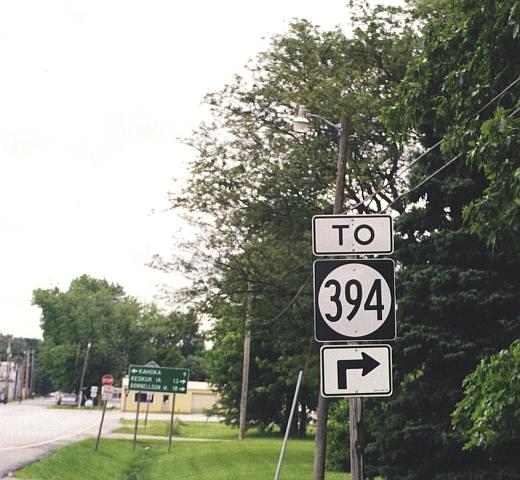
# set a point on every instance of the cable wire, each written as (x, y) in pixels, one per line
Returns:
(413, 162)
(422, 182)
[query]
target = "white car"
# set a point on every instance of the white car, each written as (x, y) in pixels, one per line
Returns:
(67, 399)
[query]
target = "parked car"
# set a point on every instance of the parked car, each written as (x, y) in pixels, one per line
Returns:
(67, 399)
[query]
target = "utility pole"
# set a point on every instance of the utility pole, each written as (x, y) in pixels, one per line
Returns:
(356, 447)
(8, 372)
(245, 365)
(80, 392)
(27, 367)
(31, 385)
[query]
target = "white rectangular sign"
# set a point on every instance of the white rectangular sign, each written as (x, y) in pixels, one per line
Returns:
(356, 371)
(107, 392)
(352, 234)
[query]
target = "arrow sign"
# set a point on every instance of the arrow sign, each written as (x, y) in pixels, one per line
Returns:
(356, 370)
(367, 364)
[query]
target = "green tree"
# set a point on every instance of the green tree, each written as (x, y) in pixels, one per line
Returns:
(489, 414)
(255, 186)
(470, 54)
(91, 310)
(458, 301)
(174, 340)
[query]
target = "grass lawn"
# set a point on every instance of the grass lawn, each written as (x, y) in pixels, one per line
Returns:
(252, 459)
(190, 429)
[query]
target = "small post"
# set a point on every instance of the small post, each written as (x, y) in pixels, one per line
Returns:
(147, 409)
(289, 423)
(171, 426)
(101, 425)
(136, 418)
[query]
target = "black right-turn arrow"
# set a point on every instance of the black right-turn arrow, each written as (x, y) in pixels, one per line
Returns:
(367, 363)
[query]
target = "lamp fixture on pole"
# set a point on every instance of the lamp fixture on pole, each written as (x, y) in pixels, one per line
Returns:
(301, 122)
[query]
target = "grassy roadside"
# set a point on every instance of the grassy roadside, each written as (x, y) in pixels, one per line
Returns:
(212, 430)
(252, 459)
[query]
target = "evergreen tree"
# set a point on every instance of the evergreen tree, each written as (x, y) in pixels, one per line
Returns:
(458, 299)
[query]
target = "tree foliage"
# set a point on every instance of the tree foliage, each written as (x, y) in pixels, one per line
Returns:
(255, 186)
(470, 54)
(458, 301)
(120, 330)
(489, 414)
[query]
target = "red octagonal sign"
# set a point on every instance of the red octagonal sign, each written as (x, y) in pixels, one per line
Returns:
(107, 379)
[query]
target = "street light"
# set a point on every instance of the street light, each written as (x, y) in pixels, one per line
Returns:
(301, 122)
(80, 392)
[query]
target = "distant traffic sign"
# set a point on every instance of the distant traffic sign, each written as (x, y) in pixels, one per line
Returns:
(354, 300)
(106, 392)
(107, 379)
(352, 234)
(158, 379)
(356, 371)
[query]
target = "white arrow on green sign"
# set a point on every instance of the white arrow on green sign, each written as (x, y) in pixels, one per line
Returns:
(158, 379)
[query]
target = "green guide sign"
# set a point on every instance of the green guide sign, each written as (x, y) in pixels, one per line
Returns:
(158, 379)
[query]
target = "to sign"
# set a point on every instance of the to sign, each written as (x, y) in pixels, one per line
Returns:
(107, 379)
(352, 234)
(158, 379)
(356, 371)
(354, 300)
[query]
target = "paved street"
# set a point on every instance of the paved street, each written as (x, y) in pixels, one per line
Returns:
(31, 430)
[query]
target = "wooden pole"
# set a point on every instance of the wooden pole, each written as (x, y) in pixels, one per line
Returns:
(356, 439)
(322, 411)
(245, 365)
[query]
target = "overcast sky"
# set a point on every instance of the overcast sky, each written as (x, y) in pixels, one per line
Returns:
(93, 98)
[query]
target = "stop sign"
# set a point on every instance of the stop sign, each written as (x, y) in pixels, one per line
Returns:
(107, 379)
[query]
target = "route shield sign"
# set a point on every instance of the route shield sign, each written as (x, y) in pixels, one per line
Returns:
(352, 234)
(158, 379)
(354, 300)
(356, 371)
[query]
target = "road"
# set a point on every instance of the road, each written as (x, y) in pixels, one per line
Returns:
(31, 430)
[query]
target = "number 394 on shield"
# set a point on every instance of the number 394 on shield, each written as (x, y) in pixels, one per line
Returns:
(354, 300)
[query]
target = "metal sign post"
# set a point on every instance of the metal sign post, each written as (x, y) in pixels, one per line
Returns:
(171, 425)
(288, 428)
(136, 418)
(149, 398)
(101, 425)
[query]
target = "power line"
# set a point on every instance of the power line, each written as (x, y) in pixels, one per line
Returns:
(440, 169)
(422, 182)
(413, 162)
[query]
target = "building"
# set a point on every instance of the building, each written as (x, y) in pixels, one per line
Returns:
(11, 381)
(198, 398)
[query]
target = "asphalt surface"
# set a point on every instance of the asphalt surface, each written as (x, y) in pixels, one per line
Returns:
(32, 430)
